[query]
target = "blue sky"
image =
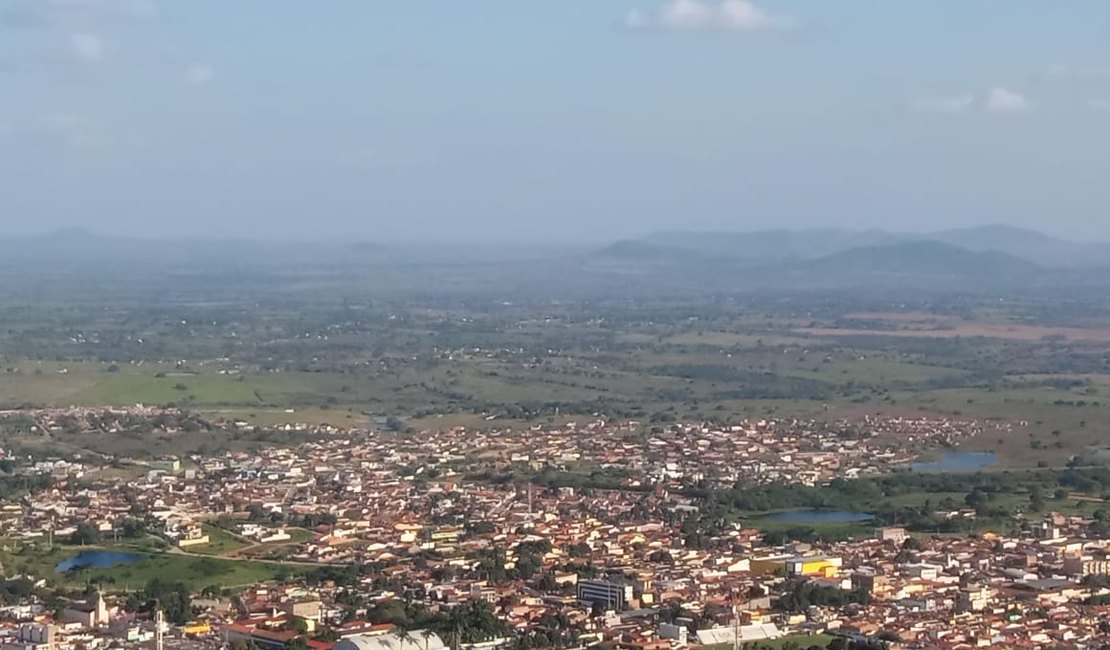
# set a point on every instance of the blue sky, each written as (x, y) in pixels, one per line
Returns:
(560, 120)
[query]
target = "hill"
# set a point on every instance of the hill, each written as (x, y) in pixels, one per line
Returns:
(1028, 244)
(780, 245)
(766, 245)
(924, 262)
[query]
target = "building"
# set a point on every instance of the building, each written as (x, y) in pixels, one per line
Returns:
(166, 465)
(33, 637)
(894, 534)
(192, 535)
(257, 638)
(310, 610)
(974, 597)
(614, 595)
(414, 640)
(678, 633)
(769, 564)
(88, 613)
(1086, 565)
(870, 582)
(813, 566)
(744, 634)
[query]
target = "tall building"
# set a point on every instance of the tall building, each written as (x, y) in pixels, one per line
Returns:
(614, 595)
(33, 636)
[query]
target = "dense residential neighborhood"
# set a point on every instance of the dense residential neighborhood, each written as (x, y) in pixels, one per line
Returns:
(574, 535)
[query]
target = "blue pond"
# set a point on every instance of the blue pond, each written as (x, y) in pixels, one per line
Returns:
(818, 517)
(96, 560)
(958, 461)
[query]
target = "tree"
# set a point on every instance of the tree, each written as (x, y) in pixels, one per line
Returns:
(86, 533)
(173, 597)
(581, 549)
(471, 622)
(132, 528)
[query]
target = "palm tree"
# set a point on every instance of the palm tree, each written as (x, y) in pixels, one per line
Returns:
(404, 634)
(426, 633)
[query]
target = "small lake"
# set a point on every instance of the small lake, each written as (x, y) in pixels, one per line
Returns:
(96, 560)
(958, 461)
(818, 517)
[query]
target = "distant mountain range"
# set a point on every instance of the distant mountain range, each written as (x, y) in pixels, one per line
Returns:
(971, 259)
(786, 245)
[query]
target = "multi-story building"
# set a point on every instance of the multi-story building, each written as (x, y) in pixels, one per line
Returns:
(615, 595)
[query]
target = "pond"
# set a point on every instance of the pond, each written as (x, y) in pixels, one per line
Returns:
(96, 560)
(818, 517)
(958, 461)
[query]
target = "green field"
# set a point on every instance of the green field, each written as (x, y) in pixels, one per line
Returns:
(222, 542)
(513, 367)
(819, 529)
(197, 572)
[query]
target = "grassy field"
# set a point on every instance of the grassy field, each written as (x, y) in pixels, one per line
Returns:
(821, 529)
(342, 400)
(197, 572)
(746, 366)
(222, 542)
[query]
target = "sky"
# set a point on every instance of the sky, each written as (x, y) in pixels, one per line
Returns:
(551, 120)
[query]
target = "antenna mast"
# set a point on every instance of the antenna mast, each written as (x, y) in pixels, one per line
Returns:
(159, 626)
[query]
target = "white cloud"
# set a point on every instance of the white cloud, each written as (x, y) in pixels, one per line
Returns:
(998, 100)
(87, 47)
(1004, 100)
(1099, 104)
(741, 16)
(953, 105)
(198, 74)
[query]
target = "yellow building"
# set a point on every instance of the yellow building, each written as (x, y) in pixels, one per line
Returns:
(196, 629)
(769, 564)
(445, 535)
(813, 566)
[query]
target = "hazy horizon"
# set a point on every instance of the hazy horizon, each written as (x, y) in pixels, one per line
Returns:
(78, 232)
(567, 122)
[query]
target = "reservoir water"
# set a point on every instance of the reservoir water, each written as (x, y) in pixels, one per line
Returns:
(96, 560)
(958, 461)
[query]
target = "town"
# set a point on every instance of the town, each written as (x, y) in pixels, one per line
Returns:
(590, 533)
